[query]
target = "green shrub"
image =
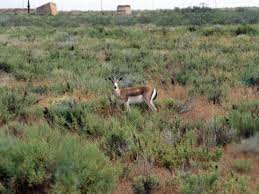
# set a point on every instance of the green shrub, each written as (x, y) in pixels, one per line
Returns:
(138, 185)
(4, 67)
(95, 126)
(117, 142)
(171, 104)
(14, 129)
(142, 184)
(200, 183)
(192, 28)
(216, 132)
(172, 131)
(242, 166)
(77, 117)
(46, 158)
(216, 30)
(183, 152)
(13, 104)
(135, 118)
(151, 183)
(172, 182)
(245, 29)
(174, 156)
(215, 94)
(243, 121)
(253, 80)
(40, 90)
(235, 184)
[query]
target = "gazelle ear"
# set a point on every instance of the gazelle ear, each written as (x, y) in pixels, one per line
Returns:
(109, 78)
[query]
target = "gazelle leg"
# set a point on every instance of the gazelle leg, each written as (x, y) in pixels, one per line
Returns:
(127, 106)
(150, 105)
(153, 106)
(154, 94)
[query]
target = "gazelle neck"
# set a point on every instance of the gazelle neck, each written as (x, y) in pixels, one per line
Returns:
(117, 91)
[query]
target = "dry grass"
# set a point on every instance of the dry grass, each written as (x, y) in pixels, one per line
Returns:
(7, 80)
(166, 90)
(203, 110)
(124, 187)
(200, 107)
(242, 94)
(163, 175)
(231, 154)
(46, 100)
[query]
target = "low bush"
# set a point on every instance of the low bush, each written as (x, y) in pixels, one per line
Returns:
(13, 104)
(245, 29)
(145, 184)
(172, 104)
(242, 166)
(173, 182)
(14, 129)
(4, 67)
(234, 184)
(77, 117)
(40, 90)
(217, 132)
(192, 28)
(185, 151)
(210, 31)
(200, 183)
(138, 185)
(172, 132)
(117, 142)
(45, 158)
(215, 94)
(243, 120)
(252, 79)
(135, 118)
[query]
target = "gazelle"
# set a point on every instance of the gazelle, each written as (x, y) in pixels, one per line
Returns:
(134, 95)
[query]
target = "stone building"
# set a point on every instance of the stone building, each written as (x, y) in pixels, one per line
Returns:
(47, 9)
(124, 9)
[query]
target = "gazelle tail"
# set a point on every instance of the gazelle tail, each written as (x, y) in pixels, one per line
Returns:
(154, 95)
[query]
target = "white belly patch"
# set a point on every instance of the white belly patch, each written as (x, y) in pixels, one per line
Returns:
(135, 99)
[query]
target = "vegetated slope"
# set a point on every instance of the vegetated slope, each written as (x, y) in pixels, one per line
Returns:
(176, 17)
(60, 131)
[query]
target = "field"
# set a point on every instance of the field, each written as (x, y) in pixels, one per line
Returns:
(62, 132)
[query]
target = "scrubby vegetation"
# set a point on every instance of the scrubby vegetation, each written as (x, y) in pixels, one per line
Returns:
(44, 156)
(176, 17)
(62, 132)
(242, 165)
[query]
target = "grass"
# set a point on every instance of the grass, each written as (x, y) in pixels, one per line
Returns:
(242, 166)
(61, 132)
(44, 156)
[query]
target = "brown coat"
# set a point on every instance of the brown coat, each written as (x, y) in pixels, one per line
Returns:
(124, 93)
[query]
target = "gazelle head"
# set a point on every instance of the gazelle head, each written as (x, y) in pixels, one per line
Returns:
(115, 82)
